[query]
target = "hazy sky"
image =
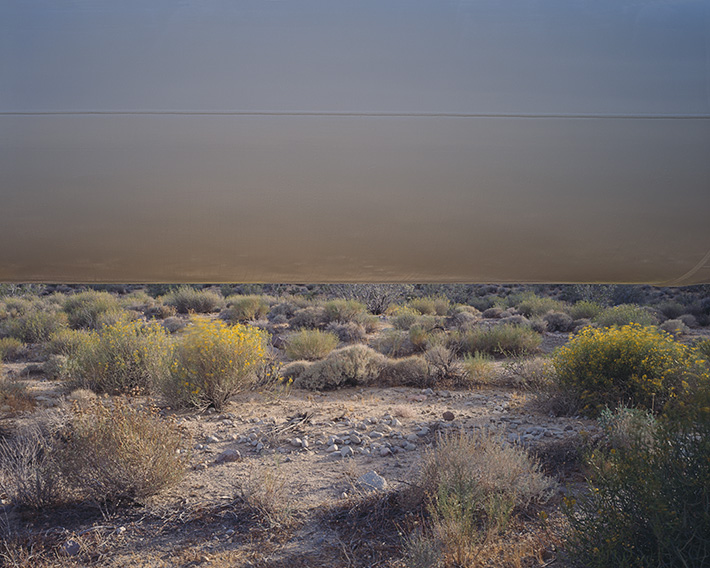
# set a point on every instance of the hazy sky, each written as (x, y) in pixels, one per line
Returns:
(583, 155)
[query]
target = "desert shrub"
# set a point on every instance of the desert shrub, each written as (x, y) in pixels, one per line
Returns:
(394, 343)
(66, 342)
(623, 315)
(409, 372)
(445, 367)
(464, 319)
(14, 395)
(310, 344)
(91, 309)
(267, 493)
(344, 310)
(120, 452)
(212, 362)
(420, 338)
(186, 299)
(494, 312)
(404, 318)
(585, 309)
(474, 484)
(173, 324)
(538, 324)
(246, 308)
(531, 305)
(671, 309)
(675, 327)
(349, 332)
(310, 317)
(10, 348)
(515, 319)
(636, 365)
(479, 367)
(648, 499)
(430, 306)
(29, 467)
(624, 426)
(535, 373)
(350, 366)
(500, 340)
(558, 321)
(34, 326)
(295, 369)
(122, 357)
(689, 320)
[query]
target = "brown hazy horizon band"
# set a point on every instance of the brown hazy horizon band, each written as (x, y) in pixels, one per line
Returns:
(374, 141)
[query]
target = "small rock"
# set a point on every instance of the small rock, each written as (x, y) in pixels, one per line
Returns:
(297, 443)
(71, 548)
(259, 446)
(384, 452)
(428, 392)
(422, 432)
(371, 481)
(355, 439)
(211, 439)
(448, 416)
(332, 448)
(375, 435)
(347, 452)
(227, 456)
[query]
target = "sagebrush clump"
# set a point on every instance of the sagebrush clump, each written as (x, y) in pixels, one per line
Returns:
(310, 344)
(186, 299)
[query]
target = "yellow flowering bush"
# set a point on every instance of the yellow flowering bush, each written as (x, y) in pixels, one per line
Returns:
(213, 361)
(121, 357)
(634, 365)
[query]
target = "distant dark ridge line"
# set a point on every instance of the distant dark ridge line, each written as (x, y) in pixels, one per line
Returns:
(361, 114)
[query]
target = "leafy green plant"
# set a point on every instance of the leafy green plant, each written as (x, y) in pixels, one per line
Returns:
(246, 308)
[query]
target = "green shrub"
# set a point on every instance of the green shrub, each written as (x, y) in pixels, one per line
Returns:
(430, 306)
(624, 315)
(34, 326)
(648, 502)
(91, 309)
(246, 308)
(350, 366)
(213, 362)
(186, 299)
(10, 348)
(310, 344)
(404, 318)
(344, 311)
(531, 305)
(119, 452)
(703, 348)
(122, 357)
(585, 310)
(675, 327)
(635, 365)
(499, 340)
(67, 342)
(672, 310)
(535, 373)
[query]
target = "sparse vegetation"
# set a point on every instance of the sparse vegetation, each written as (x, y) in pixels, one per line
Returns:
(91, 309)
(242, 309)
(624, 314)
(500, 340)
(350, 366)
